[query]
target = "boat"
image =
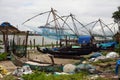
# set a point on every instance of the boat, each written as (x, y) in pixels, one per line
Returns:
(84, 46)
(73, 50)
(70, 50)
(17, 60)
(36, 65)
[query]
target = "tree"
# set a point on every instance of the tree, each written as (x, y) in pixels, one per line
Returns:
(116, 16)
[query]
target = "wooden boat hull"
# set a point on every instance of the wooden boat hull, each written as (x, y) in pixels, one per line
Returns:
(16, 60)
(77, 52)
(44, 67)
(47, 67)
(71, 51)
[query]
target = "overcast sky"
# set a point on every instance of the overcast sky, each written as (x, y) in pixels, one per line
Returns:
(17, 11)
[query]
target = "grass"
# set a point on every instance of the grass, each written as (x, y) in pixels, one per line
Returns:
(43, 76)
(9, 77)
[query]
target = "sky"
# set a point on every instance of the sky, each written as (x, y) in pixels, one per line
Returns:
(18, 11)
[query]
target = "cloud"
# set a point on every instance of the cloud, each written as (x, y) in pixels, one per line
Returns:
(17, 11)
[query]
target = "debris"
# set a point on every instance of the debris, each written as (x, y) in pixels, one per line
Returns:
(3, 70)
(24, 70)
(1, 76)
(100, 58)
(117, 67)
(60, 73)
(95, 55)
(69, 68)
(93, 77)
(112, 55)
(85, 66)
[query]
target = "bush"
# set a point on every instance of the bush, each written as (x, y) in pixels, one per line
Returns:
(3, 56)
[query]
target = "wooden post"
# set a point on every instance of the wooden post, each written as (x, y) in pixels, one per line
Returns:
(19, 41)
(23, 42)
(60, 43)
(42, 41)
(34, 43)
(52, 44)
(4, 40)
(30, 44)
(26, 43)
(57, 43)
(66, 40)
(69, 40)
(52, 59)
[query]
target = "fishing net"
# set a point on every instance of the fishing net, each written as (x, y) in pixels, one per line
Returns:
(19, 44)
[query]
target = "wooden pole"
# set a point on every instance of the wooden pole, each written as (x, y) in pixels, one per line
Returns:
(26, 43)
(30, 44)
(19, 41)
(4, 40)
(66, 40)
(34, 43)
(57, 43)
(60, 43)
(42, 41)
(52, 44)
(69, 40)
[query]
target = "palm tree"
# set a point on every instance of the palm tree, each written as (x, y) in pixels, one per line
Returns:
(116, 16)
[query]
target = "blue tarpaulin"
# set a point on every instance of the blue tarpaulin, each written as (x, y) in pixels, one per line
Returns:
(4, 24)
(108, 44)
(95, 55)
(84, 39)
(117, 66)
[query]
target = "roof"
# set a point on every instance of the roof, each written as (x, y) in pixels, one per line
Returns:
(8, 28)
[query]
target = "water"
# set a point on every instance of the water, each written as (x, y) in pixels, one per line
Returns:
(38, 40)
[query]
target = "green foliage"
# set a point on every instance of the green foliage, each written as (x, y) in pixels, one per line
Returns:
(0, 41)
(9, 77)
(117, 49)
(3, 56)
(104, 53)
(43, 76)
(1, 47)
(116, 15)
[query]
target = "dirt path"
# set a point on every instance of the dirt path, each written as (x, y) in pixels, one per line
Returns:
(8, 65)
